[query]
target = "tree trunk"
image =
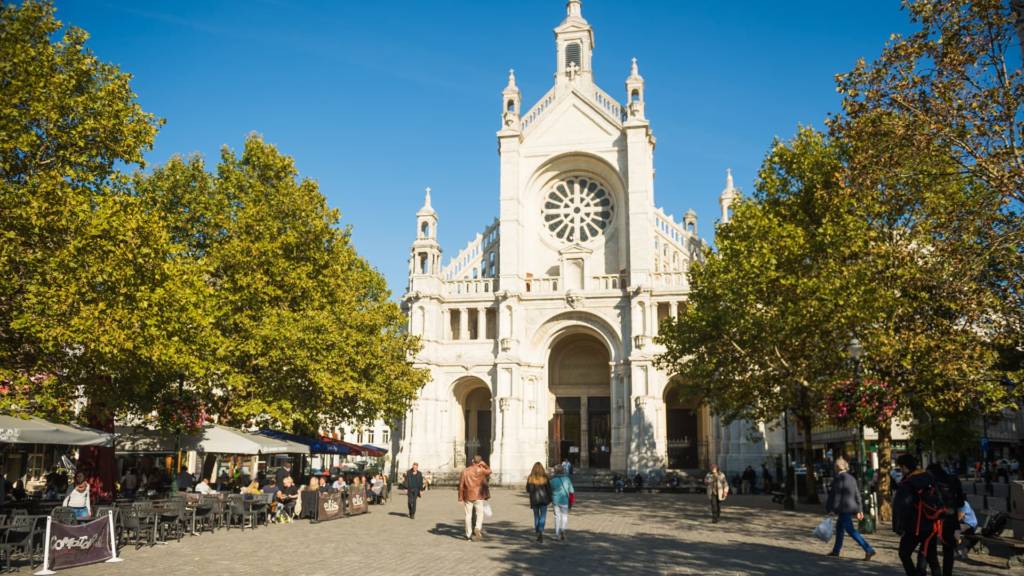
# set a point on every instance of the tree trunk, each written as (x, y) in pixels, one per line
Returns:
(884, 466)
(811, 481)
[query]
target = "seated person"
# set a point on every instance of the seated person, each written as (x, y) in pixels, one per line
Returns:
(339, 484)
(323, 487)
(204, 487)
(253, 488)
(287, 496)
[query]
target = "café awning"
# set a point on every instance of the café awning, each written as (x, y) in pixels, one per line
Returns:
(33, 430)
(374, 451)
(211, 439)
(217, 439)
(313, 445)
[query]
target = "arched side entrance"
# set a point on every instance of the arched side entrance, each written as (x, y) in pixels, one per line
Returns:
(579, 384)
(474, 398)
(686, 426)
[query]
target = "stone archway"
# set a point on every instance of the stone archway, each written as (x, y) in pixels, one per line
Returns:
(579, 388)
(686, 429)
(474, 429)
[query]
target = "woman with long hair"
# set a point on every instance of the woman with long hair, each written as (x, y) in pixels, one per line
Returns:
(538, 486)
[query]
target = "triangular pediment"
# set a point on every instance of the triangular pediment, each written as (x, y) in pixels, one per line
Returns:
(573, 119)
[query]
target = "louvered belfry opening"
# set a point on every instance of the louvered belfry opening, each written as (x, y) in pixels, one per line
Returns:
(572, 55)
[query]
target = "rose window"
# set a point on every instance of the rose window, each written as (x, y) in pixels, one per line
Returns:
(577, 209)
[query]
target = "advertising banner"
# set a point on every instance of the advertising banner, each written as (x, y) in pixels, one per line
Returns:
(68, 546)
(357, 501)
(330, 505)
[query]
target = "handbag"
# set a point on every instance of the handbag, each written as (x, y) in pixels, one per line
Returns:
(823, 531)
(572, 499)
(487, 509)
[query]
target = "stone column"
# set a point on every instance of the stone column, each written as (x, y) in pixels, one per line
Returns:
(463, 324)
(674, 309)
(445, 325)
(481, 323)
(584, 433)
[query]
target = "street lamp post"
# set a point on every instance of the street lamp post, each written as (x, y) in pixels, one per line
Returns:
(867, 525)
(788, 503)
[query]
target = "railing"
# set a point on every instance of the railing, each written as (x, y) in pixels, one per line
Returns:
(609, 282)
(611, 105)
(472, 286)
(670, 280)
(539, 108)
(543, 284)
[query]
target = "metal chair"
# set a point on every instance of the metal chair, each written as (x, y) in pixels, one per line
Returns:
(137, 521)
(24, 536)
(239, 511)
(172, 519)
(64, 515)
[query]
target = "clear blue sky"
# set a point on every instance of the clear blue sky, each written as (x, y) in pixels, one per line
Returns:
(376, 100)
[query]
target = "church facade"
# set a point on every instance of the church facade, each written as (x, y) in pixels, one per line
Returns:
(538, 335)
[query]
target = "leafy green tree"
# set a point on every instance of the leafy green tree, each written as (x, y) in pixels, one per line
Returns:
(767, 319)
(958, 80)
(67, 121)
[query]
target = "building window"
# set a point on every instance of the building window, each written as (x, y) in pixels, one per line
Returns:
(359, 437)
(577, 209)
(369, 437)
(385, 436)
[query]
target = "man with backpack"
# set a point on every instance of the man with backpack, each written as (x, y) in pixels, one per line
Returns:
(952, 493)
(917, 511)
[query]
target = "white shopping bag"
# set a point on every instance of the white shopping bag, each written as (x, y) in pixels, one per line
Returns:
(823, 531)
(487, 510)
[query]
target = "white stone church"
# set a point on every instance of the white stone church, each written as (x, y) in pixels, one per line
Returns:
(538, 334)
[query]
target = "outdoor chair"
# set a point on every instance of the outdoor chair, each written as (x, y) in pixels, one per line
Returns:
(137, 522)
(24, 537)
(205, 517)
(239, 513)
(172, 519)
(64, 515)
(260, 509)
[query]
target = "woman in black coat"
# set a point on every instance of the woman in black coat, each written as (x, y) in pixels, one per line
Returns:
(538, 486)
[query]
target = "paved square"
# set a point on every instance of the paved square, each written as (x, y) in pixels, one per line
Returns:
(608, 534)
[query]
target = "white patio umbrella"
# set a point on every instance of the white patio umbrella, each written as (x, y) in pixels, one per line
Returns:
(33, 430)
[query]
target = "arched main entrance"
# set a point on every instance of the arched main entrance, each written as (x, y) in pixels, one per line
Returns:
(579, 383)
(474, 398)
(685, 429)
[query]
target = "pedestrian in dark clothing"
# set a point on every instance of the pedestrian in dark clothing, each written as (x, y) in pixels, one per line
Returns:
(414, 486)
(283, 472)
(953, 498)
(914, 531)
(538, 486)
(845, 502)
(766, 479)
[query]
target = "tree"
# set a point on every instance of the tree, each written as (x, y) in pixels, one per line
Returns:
(766, 322)
(67, 121)
(308, 335)
(958, 80)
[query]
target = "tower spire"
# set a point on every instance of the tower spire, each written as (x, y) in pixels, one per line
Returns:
(729, 195)
(574, 9)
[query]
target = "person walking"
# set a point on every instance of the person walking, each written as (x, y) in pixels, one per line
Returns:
(718, 489)
(538, 486)
(414, 486)
(845, 502)
(79, 498)
(473, 492)
(563, 496)
(953, 498)
(916, 492)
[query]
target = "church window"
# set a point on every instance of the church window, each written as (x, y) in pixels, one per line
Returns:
(425, 230)
(511, 106)
(476, 273)
(424, 263)
(577, 209)
(635, 96)
(572, 55)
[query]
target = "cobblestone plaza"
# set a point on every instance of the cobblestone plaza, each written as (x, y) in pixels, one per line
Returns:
(608, 534)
